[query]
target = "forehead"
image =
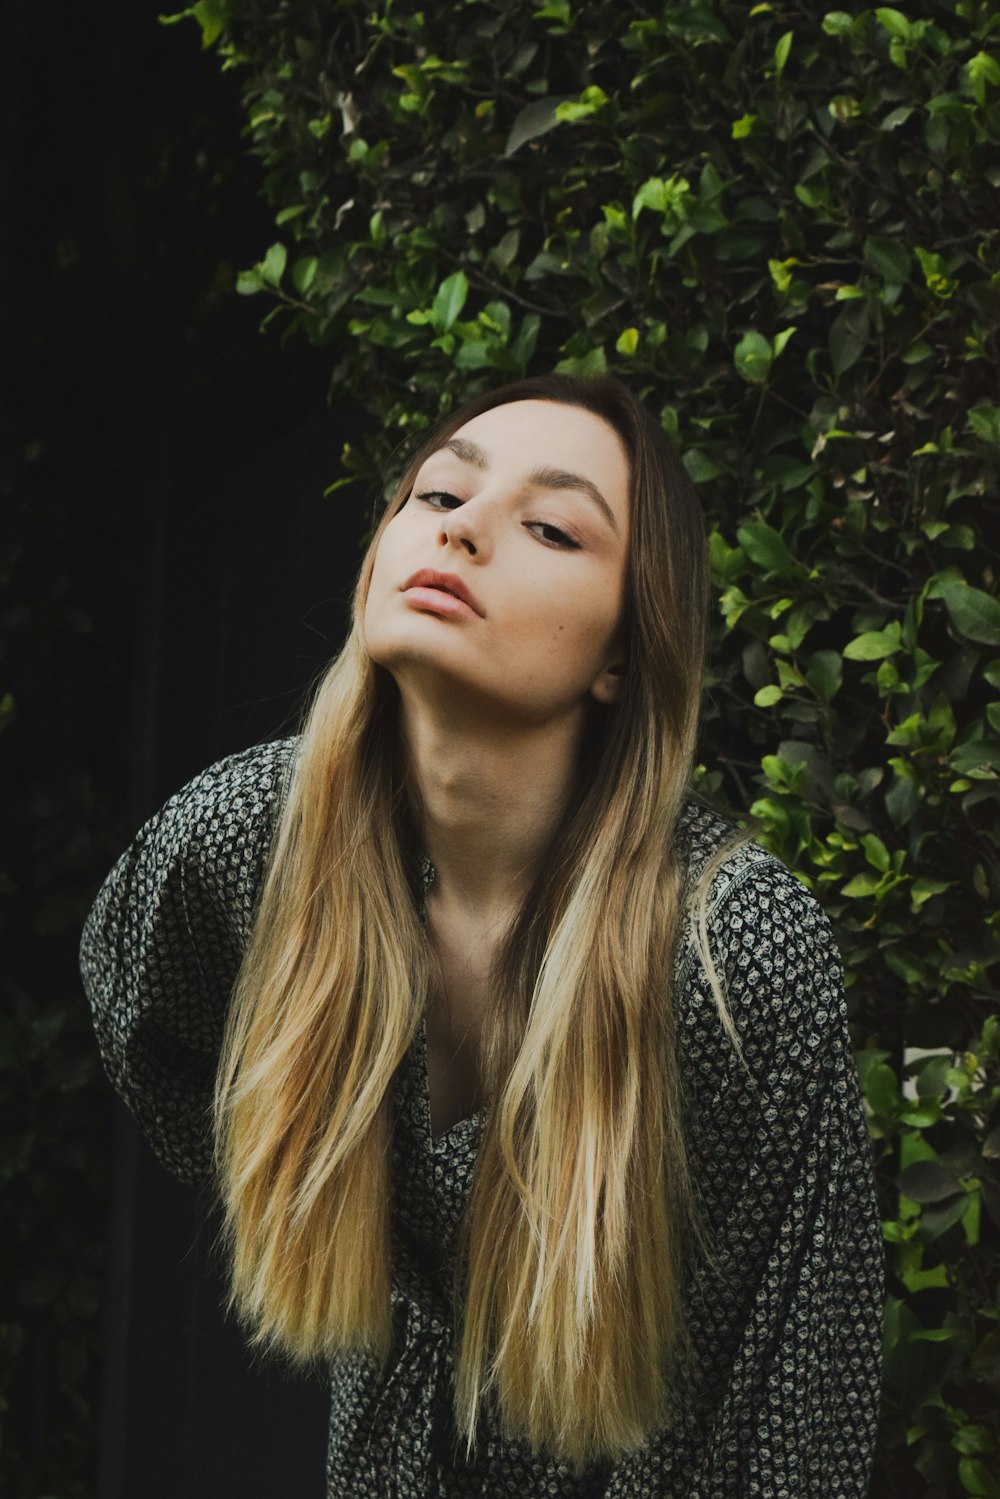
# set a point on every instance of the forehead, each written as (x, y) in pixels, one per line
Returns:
(523, 436)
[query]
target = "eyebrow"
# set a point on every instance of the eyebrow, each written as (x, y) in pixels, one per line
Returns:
(546, 477)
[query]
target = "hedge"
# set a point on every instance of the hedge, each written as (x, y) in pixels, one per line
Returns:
(779, 226)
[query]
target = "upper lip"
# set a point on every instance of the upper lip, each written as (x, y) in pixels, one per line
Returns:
(427, 577)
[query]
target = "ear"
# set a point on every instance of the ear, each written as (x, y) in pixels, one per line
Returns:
(608, 686)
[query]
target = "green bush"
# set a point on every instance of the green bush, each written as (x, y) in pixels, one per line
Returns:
(780, 227)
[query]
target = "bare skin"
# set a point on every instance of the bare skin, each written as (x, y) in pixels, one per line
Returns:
(494, 699)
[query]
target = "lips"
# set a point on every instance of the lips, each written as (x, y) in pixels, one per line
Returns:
(451, 583)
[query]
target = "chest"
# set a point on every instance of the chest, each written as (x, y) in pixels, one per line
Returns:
(454, 1024)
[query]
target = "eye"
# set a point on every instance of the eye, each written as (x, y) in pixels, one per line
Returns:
(556, 537)
(438, 494)
(560, 537)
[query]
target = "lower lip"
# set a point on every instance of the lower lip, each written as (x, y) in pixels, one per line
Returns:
(436, 601)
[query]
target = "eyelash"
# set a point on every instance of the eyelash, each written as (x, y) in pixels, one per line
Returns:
(564, 539)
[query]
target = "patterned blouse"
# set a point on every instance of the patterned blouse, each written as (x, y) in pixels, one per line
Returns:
(785, 1402)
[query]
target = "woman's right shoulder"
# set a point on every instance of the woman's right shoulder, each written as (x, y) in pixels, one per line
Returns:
(259, 773)
(227, 812)
(240, 786)
(212, 835)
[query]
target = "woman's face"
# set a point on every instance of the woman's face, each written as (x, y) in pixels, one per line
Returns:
(527, 507)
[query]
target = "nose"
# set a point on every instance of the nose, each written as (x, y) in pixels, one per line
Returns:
(464, 527)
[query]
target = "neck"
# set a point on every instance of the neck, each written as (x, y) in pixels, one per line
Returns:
(490, 801)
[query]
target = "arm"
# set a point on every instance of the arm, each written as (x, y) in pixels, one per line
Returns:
(162, 945)
(795, 1212)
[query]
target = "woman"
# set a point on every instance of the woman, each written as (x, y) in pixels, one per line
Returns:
(535, 1113)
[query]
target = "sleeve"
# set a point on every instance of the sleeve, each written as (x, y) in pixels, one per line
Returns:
(161, 947)
(792, 1198)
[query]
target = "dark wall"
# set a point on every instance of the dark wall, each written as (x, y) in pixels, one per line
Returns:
(179, 580)
(243, 597)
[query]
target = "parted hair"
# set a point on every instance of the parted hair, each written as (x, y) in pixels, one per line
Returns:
(582, 1222)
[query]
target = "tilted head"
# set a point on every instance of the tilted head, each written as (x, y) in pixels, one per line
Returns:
(560, 508)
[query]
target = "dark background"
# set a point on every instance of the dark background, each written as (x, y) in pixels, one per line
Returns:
(174, 581)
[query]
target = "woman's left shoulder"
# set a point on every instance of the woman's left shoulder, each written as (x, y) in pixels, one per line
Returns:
(775, 954)
(751, 895)
(742, 874)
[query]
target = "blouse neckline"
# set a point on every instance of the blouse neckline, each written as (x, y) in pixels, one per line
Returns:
(461, 1127)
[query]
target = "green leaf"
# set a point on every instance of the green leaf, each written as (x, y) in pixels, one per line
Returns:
(594, 362)
(824, 674)
(922, 890)
(554, 10)
(304, 273)
(590, 101)
(210, 15)
(928, 1181)
(534, 120)
(920, 1280)
(975, 754)
(272, 267)
(985, 422)
(975, 614)
(523, 346)
(700, 466)
(881, 1089)
(248, 283)
(294, 211)
(894, 22)
(753, 357)
(781, 51)
(889, 258)
(627, 342)
(875, 852)
(935, 1221)
(848, 337)
(781, 339)
(922, 1118)
(668, 196)
(971, 1217)
(765, 547)
(980, 70)
(450, 300)
(897, 117)
(727, 562)
(976, 1479)
(935, 269)
(972, 1439)
(874, 645)
(766, 697)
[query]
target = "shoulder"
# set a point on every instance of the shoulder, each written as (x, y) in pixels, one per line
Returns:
(756, 909)
(703, 834)
(234, 801)
(238, 789)
(247, 780)
(218, 826)
(776, 958)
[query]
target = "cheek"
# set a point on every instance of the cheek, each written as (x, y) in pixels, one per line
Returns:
(574, 634)
(378, 584)
(388, 560)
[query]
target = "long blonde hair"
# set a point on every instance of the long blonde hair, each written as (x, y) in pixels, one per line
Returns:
(569, 1299)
